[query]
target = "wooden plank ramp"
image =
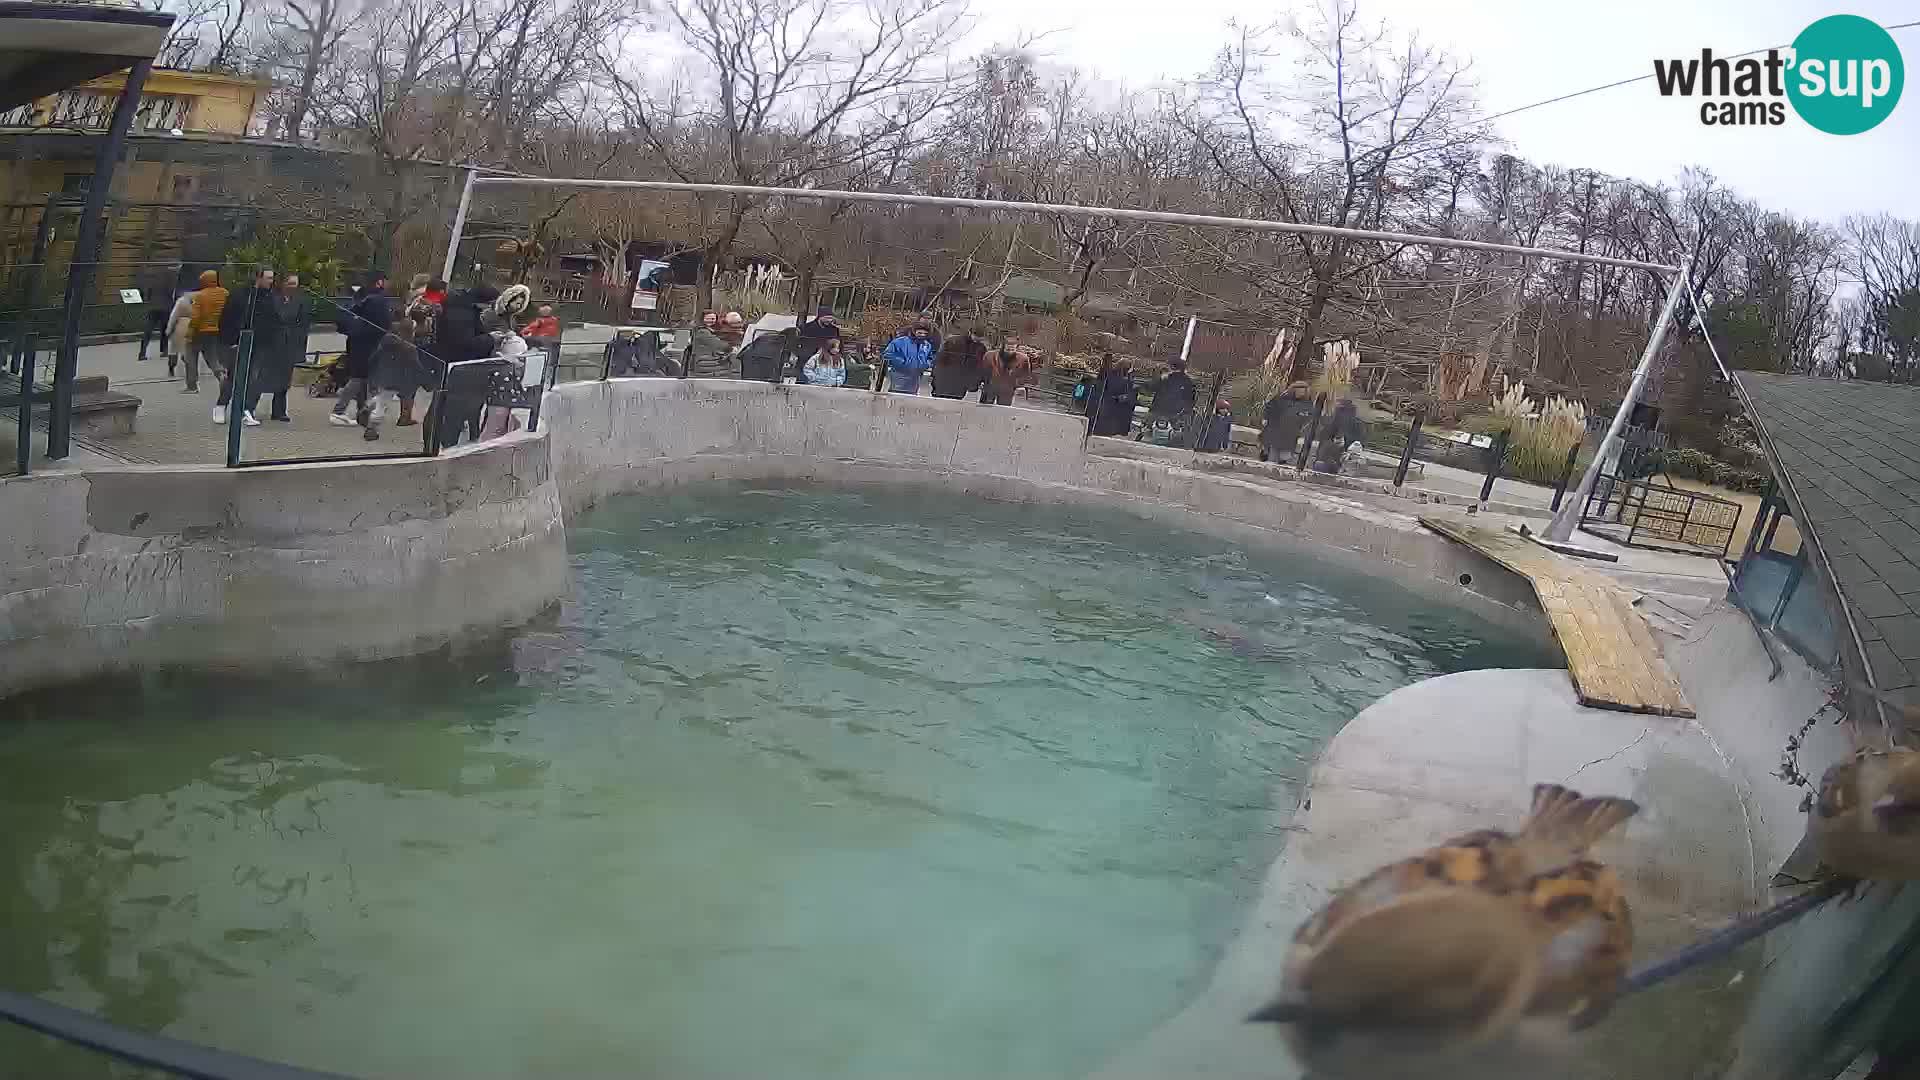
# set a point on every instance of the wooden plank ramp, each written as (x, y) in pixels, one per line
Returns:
(1611, 654)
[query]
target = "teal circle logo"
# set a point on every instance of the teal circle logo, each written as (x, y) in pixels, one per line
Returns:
(1846, 76)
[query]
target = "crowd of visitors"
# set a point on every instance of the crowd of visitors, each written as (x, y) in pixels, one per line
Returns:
(1111, 401)
(395, 348)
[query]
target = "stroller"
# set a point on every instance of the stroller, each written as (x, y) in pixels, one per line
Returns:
(333, 376)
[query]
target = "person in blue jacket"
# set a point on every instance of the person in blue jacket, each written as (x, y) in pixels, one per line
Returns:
(908, 358)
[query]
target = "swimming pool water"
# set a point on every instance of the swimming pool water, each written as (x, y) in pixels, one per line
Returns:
(800, 783)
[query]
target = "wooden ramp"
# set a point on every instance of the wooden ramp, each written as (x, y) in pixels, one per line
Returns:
(1611, 654)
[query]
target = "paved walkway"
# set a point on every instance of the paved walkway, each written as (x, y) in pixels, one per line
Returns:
(176, 428)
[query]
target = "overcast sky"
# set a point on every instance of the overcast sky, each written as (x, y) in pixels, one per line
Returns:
(1524, 51)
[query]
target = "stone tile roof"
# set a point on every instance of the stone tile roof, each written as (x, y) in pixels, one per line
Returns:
(1852, 450)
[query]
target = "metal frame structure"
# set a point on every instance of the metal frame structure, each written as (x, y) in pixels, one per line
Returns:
(1564, 519)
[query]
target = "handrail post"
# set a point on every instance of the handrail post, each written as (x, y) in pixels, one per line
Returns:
(1496, 456)
(1566, 474)
(1406, 452)
(1306, 439)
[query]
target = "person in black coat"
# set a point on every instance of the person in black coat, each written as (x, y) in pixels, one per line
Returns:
(1176, 395)
(814, 333)
(1114, 399)
(364, 325)
(279, 344)
(460, 334)
(960, 365)
(247, 309)
(1343, 430)
(634, 353)
(1282, 419)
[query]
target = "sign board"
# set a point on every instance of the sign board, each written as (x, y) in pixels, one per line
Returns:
(129, 296)
(645, 299)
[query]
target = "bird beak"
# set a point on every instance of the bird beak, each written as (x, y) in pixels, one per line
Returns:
(1279, 1011)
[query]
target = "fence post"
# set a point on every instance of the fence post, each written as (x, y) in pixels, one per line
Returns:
(237, 381)
(1566, 474)
(1496, 457)
(1306, 439)
(1406, 453)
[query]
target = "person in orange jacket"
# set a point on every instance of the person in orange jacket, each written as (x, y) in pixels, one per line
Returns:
(209, 303)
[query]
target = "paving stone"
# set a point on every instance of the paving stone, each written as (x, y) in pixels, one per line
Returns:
(1874, 600)
(1902, 635)
(1889, 673)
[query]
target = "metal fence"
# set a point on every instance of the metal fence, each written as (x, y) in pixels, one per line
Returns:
(1643, 514)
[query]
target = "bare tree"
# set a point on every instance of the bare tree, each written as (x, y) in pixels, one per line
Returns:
(1365, 103)
(305, 39)
(797, 90)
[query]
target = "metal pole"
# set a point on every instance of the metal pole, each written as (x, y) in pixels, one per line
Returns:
(1070, 210)
(1406, 452)
(237, 400)
(459, 225)
(1561, 528)
(1566, 474)
(1095, 398)
(29, 305)
(86, 253)
(1496, 456)
(1306, 440)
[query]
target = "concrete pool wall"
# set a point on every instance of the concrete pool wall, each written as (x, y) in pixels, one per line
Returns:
(140, 567)
(144, 567)
(640, 434)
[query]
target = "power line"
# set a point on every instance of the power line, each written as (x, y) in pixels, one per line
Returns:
(1644, 78)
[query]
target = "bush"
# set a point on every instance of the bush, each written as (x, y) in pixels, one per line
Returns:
(1250, 391)
(1697, 465)
(1539, 436)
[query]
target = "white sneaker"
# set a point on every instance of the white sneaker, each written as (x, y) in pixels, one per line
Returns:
(339, 420)
(219, 414)
(247, 419)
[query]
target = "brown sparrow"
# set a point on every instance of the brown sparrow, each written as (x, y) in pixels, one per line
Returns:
(1474, 952)
(1866, 820)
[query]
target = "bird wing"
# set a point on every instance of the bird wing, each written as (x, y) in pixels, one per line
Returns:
(1589, 941)
(1444, 961)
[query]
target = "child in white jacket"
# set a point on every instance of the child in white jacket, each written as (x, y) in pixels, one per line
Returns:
(826, 367)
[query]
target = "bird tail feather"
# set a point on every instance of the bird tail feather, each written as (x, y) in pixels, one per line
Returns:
(1565, 820)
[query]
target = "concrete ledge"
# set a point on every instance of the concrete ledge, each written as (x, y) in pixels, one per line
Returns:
(148, 567)
(1459, 752)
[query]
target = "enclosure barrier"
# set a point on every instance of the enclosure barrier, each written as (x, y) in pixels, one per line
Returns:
(1643, 514)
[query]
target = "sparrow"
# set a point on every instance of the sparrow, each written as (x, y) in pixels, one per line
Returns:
(1865, 822)
(1480, 950)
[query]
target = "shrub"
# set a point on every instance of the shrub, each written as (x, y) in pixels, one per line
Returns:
(1538, 436)
(1250, 391)
(1689, 464)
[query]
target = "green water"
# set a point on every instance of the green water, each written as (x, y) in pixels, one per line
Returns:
(800, 784)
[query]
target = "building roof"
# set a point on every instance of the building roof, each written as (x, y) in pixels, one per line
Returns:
(45, 48)
(1852, 453)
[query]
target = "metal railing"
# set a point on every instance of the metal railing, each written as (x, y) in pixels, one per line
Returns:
(1643, 514)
